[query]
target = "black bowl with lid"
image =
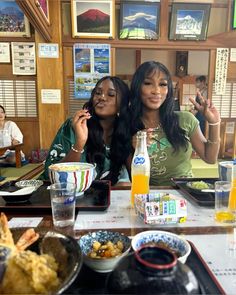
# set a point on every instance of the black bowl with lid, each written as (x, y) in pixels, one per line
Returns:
(152, 270)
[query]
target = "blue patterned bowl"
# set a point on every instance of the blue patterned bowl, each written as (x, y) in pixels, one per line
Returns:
(103, 236)
(82, 174)
(173, 242)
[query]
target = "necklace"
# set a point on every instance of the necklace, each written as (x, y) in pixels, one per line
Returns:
(158, 127)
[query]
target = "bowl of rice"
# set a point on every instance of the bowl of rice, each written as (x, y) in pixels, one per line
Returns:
(81, 174)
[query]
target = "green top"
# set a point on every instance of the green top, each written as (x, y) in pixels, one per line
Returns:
(61, 146)
(166, 164)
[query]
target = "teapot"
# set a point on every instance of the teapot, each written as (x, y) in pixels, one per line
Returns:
(152, 270)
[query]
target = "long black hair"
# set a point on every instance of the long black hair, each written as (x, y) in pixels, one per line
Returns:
(3, 109)
(168, 118)
(120, 148)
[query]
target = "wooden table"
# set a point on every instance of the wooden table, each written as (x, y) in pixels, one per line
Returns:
(17, 148)
(212, 241)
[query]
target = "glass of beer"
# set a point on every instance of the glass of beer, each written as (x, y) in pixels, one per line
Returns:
(222, 211)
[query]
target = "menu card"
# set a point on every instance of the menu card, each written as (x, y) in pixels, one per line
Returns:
(25, 222)
(219, 252)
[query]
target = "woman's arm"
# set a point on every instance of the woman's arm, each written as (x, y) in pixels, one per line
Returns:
(207, 149)
(15, 133)
(79, 125)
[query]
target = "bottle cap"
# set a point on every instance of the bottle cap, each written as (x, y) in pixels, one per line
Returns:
(141, 133)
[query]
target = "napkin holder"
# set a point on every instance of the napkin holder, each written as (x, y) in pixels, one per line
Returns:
(160, 208)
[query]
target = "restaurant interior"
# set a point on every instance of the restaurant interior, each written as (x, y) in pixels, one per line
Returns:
(40, 88)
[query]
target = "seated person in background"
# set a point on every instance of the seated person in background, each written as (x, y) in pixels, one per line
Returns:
(99, 133)
(10, 134)
(171, 134)
(201, 85)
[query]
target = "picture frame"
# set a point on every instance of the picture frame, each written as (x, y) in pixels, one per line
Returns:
(13, 22)
(189, 21)
(43, 7)
(234, 15)
(93, 19)
(139, 20)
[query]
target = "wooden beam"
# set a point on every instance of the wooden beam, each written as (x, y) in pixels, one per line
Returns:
(31, 9)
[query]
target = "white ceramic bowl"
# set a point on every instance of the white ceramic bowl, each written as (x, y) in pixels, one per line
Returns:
(103, 236)
(171, 241)
(29, 183)
(82, 174)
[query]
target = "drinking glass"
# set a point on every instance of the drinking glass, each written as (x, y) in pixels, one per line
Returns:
(222, 210)
(63, 203)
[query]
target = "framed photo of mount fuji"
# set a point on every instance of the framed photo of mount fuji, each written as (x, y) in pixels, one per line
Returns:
(189, 21)
(93, 19)
(139, 20)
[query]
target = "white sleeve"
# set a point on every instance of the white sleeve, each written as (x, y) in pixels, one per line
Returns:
(14, 131)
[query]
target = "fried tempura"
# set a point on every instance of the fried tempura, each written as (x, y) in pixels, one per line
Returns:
(26, 272)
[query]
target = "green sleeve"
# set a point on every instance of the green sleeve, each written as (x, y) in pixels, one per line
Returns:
(60, 146)
(188, 122)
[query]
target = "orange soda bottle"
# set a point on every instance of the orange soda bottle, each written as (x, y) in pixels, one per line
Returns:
(140, 168)
(232, 196)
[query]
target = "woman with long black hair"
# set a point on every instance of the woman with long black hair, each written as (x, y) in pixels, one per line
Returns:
(99, 133)
(171, 134)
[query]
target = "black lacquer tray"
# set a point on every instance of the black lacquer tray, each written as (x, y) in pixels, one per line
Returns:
(202, 199)
(96, 198)
(91, 282)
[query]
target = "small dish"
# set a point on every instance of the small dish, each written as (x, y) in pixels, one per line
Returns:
(31, 182)
(18, 196)
(172, 242)
(103, 264)
(200, 186)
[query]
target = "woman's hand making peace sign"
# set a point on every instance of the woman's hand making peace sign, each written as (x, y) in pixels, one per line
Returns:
(207, 108)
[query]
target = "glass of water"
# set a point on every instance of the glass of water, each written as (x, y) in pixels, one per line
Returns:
(63, 203)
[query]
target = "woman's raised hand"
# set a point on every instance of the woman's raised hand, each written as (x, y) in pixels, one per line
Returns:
(79, 123)
(206, 107)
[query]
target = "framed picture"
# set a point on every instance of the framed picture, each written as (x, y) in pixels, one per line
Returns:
(139, 20)
(13, 22)
(189, 21)
(93, 19)
(234, 16)
(43, 8)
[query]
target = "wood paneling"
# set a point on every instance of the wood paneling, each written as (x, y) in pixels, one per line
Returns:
(50, 76)
(232, 70)
(36, 18)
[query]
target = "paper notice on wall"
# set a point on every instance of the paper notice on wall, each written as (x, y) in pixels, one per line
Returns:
(222, 57)
(51, 96)
(229, 128)
(46, 50)
(5, 52)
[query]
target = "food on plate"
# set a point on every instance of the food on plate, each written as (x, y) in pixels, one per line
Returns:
(106, 250)
(199, 185)
(24, 271)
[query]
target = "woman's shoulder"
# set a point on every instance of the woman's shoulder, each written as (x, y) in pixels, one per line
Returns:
(10, 124)
(186, 118)
(185, 115)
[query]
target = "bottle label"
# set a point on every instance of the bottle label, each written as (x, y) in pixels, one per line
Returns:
(139, 160)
